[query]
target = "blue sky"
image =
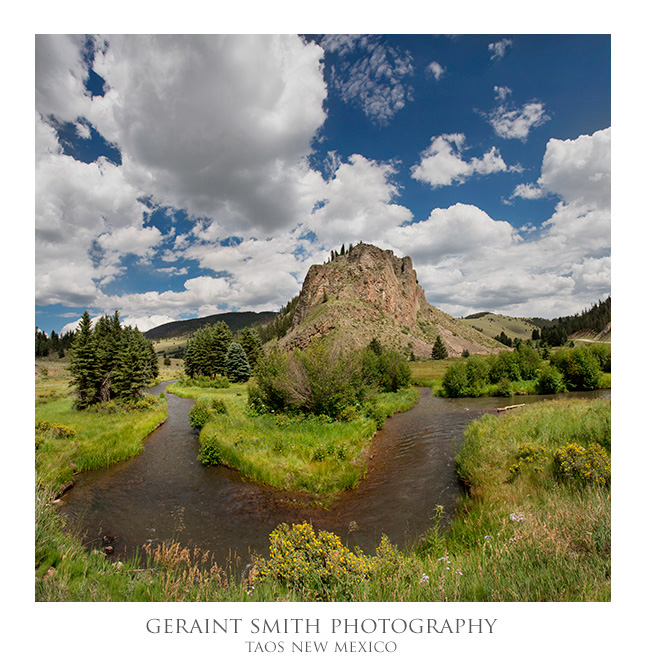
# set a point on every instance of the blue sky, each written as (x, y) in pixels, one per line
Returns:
(181, 176)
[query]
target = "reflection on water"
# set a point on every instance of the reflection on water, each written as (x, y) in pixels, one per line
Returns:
(165, 493)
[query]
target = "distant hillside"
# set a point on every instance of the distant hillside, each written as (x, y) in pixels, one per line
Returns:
(235, 321)
(593, 323)
(492, 324)
(368, 293)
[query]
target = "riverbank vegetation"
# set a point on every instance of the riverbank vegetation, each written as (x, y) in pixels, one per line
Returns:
(524, 370)
(69, 440)
(534, 525)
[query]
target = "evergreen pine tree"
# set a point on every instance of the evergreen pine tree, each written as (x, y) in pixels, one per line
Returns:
(136, 364)
(206, 351)
(42, 343)
(236, 363)
(375, 346)
(252, 345)
(439, 349)
(107, 334)
(110, 361)
(84, 364)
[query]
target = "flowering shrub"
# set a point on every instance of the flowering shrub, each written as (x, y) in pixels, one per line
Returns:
(55, 429)
(530, 456)
(318, 564)
(584, 465)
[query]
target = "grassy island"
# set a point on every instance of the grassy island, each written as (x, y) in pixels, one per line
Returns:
(309, 453)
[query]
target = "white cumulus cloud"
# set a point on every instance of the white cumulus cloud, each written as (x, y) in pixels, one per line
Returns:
(442, 163)
(511, 123)
(467, 261)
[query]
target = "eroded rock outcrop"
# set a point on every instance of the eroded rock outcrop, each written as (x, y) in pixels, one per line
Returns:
(369, 292)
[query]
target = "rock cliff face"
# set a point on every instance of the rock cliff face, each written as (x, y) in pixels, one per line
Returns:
(368, 293)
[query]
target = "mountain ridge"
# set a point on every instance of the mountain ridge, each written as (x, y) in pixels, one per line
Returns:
(235, 321)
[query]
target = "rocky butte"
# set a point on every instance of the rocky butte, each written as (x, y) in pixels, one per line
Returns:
(371, 293)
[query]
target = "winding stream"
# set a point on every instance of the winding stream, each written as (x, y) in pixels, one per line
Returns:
(164, 493)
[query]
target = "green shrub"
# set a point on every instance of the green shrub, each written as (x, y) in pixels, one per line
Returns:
(505, 365)
(580, 367)
(550, 380)
(271, 389)
(504, 389)
(477, 374)
(377, 414)
(218, 406)
(455, 382)
(602, 354)
(324, 380)
(200, 413)
(583, 465)
(529, 360)
(210, 451)
(394, 371)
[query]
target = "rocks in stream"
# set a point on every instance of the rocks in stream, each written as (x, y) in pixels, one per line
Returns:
(108, 544)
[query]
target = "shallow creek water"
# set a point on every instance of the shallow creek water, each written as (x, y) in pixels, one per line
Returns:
(164, 493)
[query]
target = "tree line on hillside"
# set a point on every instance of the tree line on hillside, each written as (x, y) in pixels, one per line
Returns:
(555, 333)
(281, 324)
(342, 252)
(53, 343)
(594, 319)
(109, 361)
